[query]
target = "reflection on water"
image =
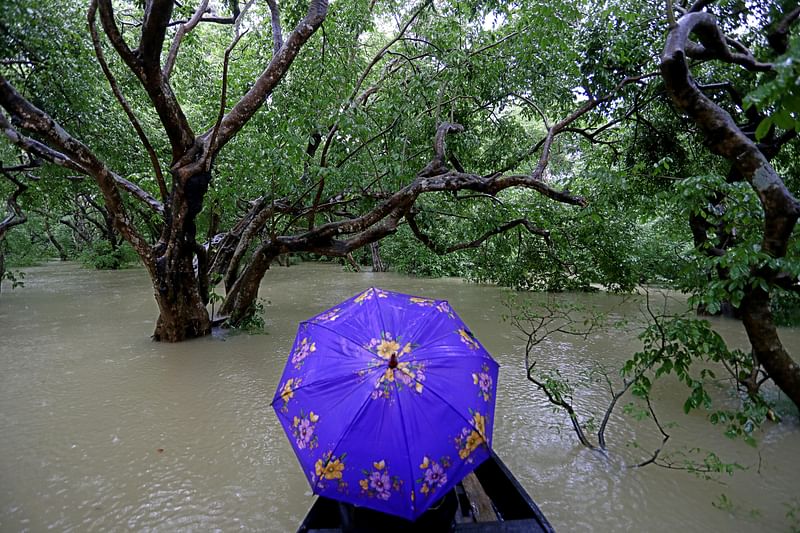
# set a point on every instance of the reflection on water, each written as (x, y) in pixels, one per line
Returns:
(103, 429)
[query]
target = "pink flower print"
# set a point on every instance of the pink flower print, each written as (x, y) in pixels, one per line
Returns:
(304, 431)
(302, 351)
(379, 481)
(484, 382)
(435, 476)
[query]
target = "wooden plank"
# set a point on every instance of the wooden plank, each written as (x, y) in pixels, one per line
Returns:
(481, 504)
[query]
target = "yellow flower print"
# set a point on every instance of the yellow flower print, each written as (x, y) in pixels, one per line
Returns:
(287, 392)
(480, 422)
(333, 470)
(379, 465)
(467, 339)
(424, 489)
(418, 388)
(388, 347)
(474, 440)
(425, 302)
(369, 293)
(312, 416)
(364, 484)
(425, 462)
(389, 375)
(295, 422)
(319, 467)
(366, 295)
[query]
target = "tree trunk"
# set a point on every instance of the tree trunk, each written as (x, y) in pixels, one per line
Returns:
(182, 312)
(238, 303)
(377, 261)
(2, 261)
(180, 291)
(767, 348)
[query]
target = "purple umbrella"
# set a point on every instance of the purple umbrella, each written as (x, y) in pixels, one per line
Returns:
(388, 401)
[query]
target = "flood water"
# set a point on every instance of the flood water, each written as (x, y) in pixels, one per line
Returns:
(102, 429)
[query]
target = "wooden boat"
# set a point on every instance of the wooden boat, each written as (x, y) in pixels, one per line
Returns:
(489, 500)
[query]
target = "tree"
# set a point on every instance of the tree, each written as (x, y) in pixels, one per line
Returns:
(180, 291)
(748, 279)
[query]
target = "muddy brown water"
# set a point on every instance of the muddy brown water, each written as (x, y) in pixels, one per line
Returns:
(105, 430)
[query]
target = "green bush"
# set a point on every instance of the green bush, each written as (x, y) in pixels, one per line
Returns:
(103, 256)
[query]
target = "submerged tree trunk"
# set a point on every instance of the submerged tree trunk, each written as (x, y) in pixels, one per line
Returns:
(377, 261)
(239, 300)
(180, 290)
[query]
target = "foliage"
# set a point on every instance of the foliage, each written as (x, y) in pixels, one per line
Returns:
(780, 96)
(684, 347)
(101, 255)
(253, 321)
(671, 346)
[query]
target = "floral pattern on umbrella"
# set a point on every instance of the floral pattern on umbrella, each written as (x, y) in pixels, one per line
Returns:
(388, 401)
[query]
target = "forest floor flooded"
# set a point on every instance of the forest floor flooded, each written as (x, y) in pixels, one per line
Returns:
(104, 429)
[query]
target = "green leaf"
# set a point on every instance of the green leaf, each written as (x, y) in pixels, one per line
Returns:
(763, 128)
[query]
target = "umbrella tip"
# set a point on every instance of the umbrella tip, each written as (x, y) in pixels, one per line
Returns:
(393, 360)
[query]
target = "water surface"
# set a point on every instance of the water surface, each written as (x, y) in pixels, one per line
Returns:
(105, 430)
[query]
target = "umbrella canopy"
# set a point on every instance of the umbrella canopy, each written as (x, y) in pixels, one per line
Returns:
(388, 400)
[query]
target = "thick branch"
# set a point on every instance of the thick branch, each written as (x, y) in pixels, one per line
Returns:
(154, 28)
(277, 32)
(145, 64)
(439, 250)
(781, 209)
(238, 116)
(33, 119)
(778, 37)
(98, 50)
(183, 30)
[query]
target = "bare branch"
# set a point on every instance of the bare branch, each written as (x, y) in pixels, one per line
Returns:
(245, 108)
(183, 30)
(98, 50)
(16, 215)
(439, 250)
(222, 99)
(277, 33)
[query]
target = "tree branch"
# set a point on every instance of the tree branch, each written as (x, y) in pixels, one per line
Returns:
(33, 119)
(183, 30)
(439, 250)
(277, 33)
(98, 50)
(247, 106)
(157, 14)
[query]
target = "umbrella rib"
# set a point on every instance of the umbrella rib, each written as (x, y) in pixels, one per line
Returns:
(452, 407)
(336, 332)
(344, 433)
(380, 314)
(420, 320)
(334, 379)
(408, 445)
